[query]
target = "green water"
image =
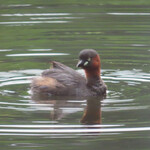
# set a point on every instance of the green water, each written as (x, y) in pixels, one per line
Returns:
(32, 33)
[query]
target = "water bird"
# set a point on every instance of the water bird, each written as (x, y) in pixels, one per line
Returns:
(61, 80)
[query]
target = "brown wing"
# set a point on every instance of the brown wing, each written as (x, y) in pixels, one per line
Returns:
(60, 80)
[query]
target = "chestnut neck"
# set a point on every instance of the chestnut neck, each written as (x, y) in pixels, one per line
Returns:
(93, 72)
(92, 76)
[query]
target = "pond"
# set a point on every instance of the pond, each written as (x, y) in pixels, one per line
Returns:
(33, 33)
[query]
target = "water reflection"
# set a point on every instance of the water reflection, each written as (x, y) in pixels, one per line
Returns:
(91, 114)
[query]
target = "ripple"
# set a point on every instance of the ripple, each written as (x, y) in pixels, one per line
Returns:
(20, 5)
(112, 101)
(48, 18)
(7, 92)
(15, 82)
(36, 14)
(5, 50)
(127, 79)
(74, 131)
(32, 22)
(56, 135)
(37, 50)
(6, 75)
(59, 126)
(140, 45)
(127, 75)
(28, 71)
(130, 14)
(37, 54)
(17, 78)
(111, 109)
(123, 75)
(24, 104)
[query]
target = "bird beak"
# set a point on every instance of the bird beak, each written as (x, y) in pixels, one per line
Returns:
(80, 63)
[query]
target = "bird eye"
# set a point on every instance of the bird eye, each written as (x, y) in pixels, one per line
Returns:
(87, 61)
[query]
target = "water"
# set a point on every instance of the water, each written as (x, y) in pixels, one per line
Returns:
(34, 33)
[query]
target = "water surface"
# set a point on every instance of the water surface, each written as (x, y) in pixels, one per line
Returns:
(34, 33)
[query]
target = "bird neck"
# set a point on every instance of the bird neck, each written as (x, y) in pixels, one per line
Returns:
(93, 75)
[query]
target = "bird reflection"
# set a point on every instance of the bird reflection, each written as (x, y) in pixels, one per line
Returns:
(92, 112)
(61, 107)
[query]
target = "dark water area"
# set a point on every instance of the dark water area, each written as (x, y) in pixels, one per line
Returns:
(33, 33)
